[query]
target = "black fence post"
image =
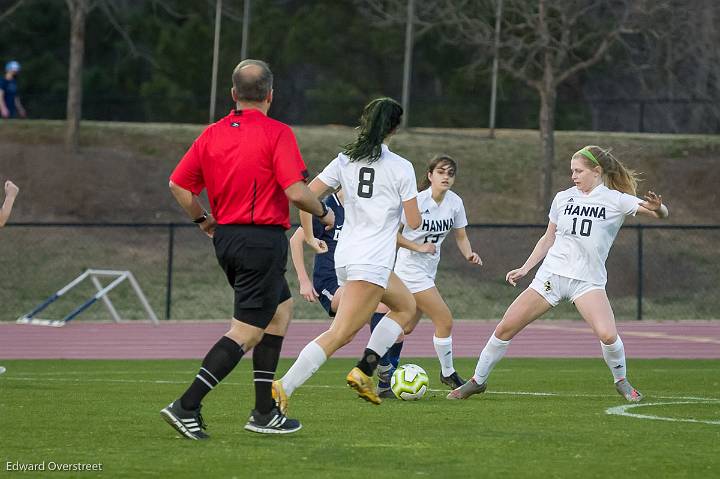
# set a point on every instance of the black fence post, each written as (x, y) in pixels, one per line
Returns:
(168, 290)
(640, 272)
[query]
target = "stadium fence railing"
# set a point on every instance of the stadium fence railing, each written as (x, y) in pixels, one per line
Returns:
(655, 271)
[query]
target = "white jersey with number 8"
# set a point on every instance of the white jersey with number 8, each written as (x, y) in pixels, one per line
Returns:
(586, 228)
(374, 193)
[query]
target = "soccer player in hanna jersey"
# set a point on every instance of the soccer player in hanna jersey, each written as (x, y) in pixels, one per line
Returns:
(379, 185)
(324, 286)
(417, 260)
(584, 221)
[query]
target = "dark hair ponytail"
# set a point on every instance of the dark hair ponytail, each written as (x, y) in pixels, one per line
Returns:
(435, 162)
(379, 118)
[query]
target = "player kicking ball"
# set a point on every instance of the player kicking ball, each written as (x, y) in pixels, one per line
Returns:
(584, 221)
(324, 287)
(379, 186)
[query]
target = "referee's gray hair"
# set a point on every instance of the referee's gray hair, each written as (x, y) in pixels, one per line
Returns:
(252, 87)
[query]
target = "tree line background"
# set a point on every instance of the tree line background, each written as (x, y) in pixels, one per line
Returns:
(151, 61)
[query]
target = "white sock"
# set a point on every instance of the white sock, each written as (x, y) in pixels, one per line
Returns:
(614, 355)
(384, 336)
(443, 348)
(310, 359)
(493, 352)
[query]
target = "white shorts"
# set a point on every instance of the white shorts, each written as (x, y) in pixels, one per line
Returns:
(417, 282)
(363, 272)
(554, 288)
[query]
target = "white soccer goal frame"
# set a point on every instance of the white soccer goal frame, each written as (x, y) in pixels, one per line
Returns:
(102, 293)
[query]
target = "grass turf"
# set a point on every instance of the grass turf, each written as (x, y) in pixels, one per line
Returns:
(107, 412)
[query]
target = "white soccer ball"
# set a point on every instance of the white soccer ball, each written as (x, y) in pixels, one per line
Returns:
(409, 382)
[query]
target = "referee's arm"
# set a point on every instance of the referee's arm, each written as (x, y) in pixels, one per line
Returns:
(301, 196)
(193, 208)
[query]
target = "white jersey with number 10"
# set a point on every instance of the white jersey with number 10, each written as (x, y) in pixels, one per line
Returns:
(586, 228)
(374, 193)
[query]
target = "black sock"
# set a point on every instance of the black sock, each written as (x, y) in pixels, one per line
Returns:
(219, 361)
(369, 362)
(265, 360)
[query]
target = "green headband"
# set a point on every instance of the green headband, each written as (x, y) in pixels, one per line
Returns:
(587, 154)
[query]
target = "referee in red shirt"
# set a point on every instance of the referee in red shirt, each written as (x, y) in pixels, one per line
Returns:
(251, 166)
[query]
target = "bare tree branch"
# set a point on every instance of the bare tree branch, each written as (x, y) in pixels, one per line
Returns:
(10, 10)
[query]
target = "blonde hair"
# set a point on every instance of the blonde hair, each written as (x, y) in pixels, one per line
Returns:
(616, 175)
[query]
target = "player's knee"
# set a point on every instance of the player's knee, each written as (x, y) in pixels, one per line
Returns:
(607, 337)
(409, 328)
(503, 331)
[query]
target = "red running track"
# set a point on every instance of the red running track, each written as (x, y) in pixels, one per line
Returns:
(192, 339)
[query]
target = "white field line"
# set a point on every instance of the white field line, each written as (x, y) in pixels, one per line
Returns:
(319, 386)
(617, 410)
(623, 411)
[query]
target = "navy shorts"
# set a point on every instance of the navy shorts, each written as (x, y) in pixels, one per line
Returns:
(326, 288)
(254, 258)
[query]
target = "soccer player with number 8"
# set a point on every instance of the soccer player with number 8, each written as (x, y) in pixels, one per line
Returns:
(379, 186)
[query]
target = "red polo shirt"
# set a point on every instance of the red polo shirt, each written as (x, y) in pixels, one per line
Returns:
(245, 161)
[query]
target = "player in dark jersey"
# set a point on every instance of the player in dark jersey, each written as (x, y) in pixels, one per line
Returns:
(324, 284)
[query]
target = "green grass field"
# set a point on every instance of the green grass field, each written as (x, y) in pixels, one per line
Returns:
(540, 418)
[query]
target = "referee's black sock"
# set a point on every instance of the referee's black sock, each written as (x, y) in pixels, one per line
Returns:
(265, 360)
(219, 361)
(369, 362)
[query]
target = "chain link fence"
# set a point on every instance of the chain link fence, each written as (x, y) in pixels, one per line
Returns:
(665, 272)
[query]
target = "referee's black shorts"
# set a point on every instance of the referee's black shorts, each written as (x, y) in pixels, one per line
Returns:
(254, 258)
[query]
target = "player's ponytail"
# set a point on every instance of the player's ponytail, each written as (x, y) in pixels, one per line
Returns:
(436, 161)
(616, 175)
(379, 118)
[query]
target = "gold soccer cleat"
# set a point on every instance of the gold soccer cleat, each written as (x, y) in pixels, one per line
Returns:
(363, 384)
(281, 399)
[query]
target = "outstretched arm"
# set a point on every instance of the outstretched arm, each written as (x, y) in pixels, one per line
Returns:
(653, 206)
(463, 244)
(541, 248)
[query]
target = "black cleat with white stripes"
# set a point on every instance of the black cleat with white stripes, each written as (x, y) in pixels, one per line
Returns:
(273, 422)
(189, 424)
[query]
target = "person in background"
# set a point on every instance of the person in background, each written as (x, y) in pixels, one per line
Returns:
(10, 105)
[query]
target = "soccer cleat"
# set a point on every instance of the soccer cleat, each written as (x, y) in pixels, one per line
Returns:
(363, 384)
(278, 394)
(385, 372)
(453, 381)
(274, 422)
(625, 389)
(188, 423)
(467, 390)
